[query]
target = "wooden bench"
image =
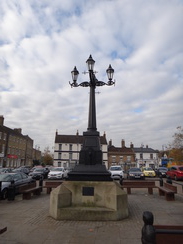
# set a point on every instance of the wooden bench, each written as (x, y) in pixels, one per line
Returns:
(168, 234)
(168, 190)
(2, 230)
(128, 184)
(160, 234)
(27, 189)
(51, 184)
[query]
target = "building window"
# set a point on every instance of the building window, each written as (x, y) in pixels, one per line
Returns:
(128, 158)
(151, 156)
(0, 135)
(70, 156)
(4, 137)
(59, 155)
(59, 164)
(141, 155)
(70, 147)
(113, 159)
(60, 147)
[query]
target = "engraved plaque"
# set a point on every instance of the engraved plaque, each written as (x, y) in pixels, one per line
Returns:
(88, 191)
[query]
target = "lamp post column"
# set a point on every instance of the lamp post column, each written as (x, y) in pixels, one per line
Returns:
(92, 124)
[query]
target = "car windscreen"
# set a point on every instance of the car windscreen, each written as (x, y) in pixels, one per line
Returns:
(57, 169)
(6, 178)
(135, 170)
(163, 169)
(115, 168)
(181, 168)
(3, 170)
(38, 170)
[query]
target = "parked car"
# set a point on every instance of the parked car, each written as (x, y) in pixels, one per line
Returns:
(148, 172)
(161, 172)
(16, 178)
(135, 173)
(175, 172)
(5, 170)
(22, 169)
(57, 173)
(39, 173)
(116, 172)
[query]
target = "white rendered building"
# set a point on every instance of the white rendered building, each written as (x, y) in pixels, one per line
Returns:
(67, 148)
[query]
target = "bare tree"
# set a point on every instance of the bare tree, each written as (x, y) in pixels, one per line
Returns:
(178, 138)
(176, 147)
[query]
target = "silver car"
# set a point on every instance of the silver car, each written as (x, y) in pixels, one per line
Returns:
(57, 173)
(116, 172)
(17, 179)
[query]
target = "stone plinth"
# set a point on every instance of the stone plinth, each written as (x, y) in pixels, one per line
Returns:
(88, 200)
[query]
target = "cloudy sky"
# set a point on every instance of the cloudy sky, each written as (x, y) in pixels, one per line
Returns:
(40, 43)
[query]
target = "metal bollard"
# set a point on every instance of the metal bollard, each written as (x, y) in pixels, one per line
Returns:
(121, 181)
(41, 183)
(11, 192)
(148, 230)
(160, 180)
(169, 180)
(0, 189)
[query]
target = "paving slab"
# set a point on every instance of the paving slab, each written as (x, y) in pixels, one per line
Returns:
(28, 221)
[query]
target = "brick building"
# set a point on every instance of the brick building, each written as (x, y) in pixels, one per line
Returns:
(16, 149)
(123, 155)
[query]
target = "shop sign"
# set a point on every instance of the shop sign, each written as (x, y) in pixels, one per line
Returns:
(12, 156)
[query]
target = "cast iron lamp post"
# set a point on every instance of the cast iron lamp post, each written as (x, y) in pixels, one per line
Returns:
(90, 165)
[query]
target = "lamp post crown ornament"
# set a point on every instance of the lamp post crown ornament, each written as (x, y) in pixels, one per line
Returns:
(93, 80)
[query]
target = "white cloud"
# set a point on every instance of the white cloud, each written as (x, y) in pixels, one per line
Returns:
(41, 42)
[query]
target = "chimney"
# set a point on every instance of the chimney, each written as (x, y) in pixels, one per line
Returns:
(77, 133)
(19, 130)
(123, 143)
(110, 143)
(146, 146)
(104, 135)
(56, 132)
(1, 120)
(131, 145)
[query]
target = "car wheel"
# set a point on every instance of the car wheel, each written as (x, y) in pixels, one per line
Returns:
(175, 178)
(4, 194)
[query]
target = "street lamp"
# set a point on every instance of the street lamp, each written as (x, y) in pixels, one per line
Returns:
(92, 84)
(90, 165)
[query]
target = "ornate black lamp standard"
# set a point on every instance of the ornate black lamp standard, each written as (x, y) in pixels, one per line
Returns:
(90, 165)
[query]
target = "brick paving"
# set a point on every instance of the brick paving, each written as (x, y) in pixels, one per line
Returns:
(28, 221)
